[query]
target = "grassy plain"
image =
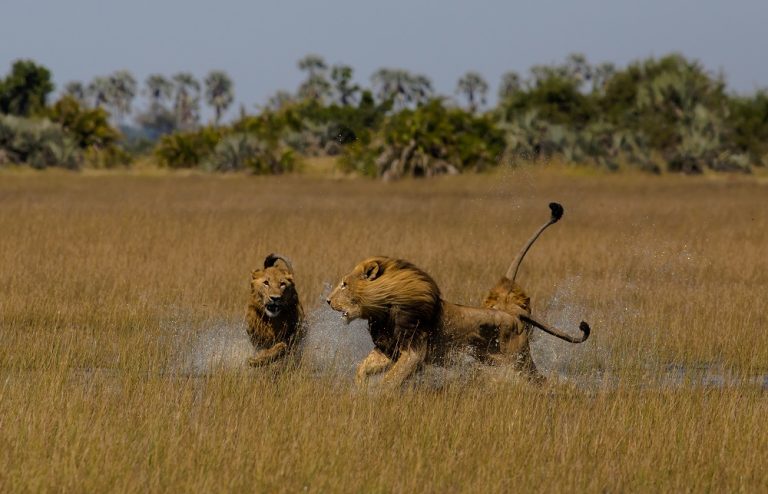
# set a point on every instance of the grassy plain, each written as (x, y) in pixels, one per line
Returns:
(109, 283)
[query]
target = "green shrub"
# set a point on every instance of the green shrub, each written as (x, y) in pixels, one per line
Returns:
(747, 122)
(242, 151)
(25, 89)
(39, 143)
(87, 126)
(428, 140)
(556, 99)
(188, 149)
(108, 157)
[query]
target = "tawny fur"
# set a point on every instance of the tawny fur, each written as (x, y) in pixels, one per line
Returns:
(407, 331)
(506, 295)
(410, 323)
(274, 316)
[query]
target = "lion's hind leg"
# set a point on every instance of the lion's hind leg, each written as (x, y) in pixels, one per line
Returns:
(268, 355)
(523, 363)
(375, 363)
(515, 348)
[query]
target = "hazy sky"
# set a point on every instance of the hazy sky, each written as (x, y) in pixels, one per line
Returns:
(258, 43)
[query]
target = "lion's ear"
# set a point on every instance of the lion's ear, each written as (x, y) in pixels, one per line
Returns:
(371, 270)
(256, 273)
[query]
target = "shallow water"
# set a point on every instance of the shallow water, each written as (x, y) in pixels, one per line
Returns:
(223, 346)
(333, 348)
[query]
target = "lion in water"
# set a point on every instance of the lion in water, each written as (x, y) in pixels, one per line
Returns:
(410, 323)
(274, 316)
(508, 296)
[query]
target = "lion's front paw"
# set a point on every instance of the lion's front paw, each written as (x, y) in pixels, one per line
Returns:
(259, 361)
(361, 380)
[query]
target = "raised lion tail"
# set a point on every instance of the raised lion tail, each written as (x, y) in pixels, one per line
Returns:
(556, 211)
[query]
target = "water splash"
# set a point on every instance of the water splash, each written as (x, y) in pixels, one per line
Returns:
(554, 356)
(222, 346)
(332, 346)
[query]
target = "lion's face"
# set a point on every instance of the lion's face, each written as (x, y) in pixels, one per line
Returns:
(273, 289)
(508, 296)
(343, 298)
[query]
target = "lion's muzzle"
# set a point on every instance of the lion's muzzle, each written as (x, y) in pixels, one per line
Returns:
(344, 313)
(273, 307)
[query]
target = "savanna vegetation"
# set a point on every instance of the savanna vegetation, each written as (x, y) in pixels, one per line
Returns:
(122, 317)
(123, 292)
(667, 114)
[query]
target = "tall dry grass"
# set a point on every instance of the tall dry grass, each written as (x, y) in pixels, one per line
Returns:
(121, 304)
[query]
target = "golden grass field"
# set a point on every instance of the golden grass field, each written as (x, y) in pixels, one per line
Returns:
(122, 299)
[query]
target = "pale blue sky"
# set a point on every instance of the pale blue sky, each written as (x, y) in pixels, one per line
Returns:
(258, 43)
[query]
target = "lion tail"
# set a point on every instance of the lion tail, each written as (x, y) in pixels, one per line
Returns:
(272, 259)
(584, 327)
(557, 213)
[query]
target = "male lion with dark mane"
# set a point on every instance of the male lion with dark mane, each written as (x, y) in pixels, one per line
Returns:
(410, 323)
(274, 316)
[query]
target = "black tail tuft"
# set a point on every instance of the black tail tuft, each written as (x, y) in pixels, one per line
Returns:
(272, 259)
(584, 327)
(557, 211)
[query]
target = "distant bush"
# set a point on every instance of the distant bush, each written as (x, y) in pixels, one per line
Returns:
(556, 99)
(108, 157)
(87, 126)
(314, 129)
(747, 126)
(25, 89)
(91, 131)
(187, 149)
(429, 140)
(39, 143)
(242, 151)
(250, 145)
(656, 114)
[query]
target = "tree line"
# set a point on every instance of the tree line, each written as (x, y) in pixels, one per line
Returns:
(657, 114)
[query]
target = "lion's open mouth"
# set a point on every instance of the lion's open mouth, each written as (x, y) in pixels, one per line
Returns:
(272, 309)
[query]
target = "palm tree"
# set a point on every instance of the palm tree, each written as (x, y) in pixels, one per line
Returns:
(541, 73)
(279, 100)
(420, 89)
(601, 75)
(510, 84)
(390, 84)
(100, 90)
(341, 75)
(401, 86)
(122, 91)
(158, 118)
(159, 89)
(577, 68)
(186, 104)
(316, 85)
(474, 88)
(75, 90)
(219, 92)
(312, 64)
